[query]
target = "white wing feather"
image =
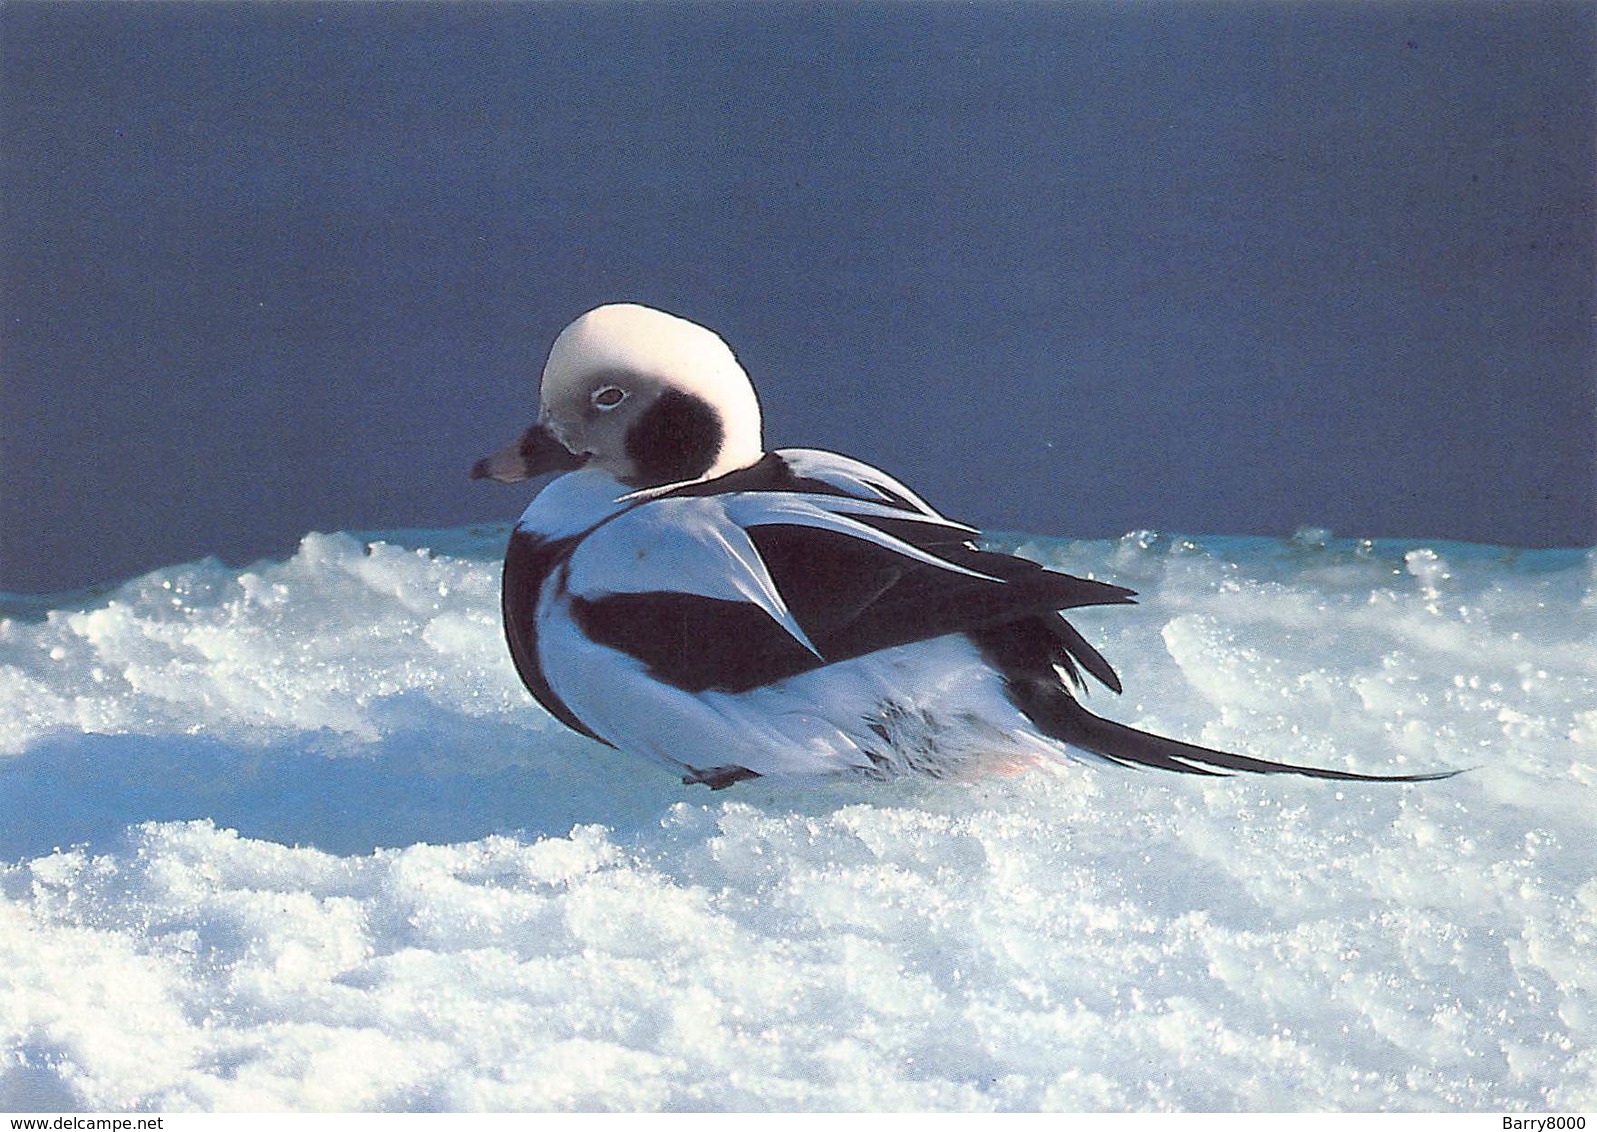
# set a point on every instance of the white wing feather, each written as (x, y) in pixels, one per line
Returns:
(700, 545)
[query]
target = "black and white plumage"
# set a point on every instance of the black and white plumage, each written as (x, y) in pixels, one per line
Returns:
(729, 613)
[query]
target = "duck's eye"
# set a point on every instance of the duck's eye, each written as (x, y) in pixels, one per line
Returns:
(608, 396)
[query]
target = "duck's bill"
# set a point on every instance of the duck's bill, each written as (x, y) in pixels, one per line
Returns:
(536, 453)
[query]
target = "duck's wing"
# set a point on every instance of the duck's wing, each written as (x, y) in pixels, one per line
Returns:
(733, 589)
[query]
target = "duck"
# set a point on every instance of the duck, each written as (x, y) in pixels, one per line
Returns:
(680, 594)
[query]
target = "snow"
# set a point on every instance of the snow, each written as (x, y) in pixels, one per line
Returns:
(294, 837)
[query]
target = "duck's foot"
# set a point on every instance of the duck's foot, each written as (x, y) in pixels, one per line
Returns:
(718, 777)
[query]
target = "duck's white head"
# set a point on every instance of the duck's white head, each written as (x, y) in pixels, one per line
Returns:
(644, 396)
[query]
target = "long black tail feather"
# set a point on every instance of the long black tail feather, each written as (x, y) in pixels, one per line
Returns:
(1028, 653)
(1064, 719)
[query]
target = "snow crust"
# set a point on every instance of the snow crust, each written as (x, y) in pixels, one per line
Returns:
(294, 837)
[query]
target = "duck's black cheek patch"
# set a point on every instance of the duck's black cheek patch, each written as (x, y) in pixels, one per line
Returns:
(676, 438)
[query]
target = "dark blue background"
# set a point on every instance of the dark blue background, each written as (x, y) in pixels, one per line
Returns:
(1073, 269)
